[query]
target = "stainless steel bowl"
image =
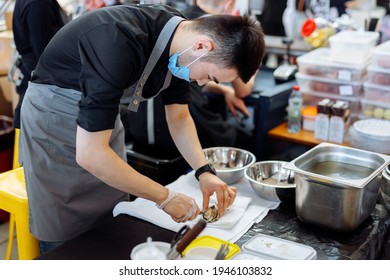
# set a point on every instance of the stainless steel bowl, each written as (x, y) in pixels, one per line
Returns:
(230, 163)
(384, 194)
(271, 181)
(337, 186)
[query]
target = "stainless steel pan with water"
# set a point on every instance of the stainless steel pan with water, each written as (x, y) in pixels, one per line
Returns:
(336, 186)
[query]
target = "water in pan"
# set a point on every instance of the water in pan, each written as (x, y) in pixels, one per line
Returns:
(340, 170)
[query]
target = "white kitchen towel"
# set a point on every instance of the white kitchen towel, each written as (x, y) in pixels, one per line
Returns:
(248, 208)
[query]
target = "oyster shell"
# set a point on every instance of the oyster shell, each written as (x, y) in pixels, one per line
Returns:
(210, 214)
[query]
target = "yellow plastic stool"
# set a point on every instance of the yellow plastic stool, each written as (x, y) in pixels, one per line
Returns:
(13, 199)
(15, 162)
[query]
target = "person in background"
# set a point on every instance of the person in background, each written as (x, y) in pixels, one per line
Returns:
(271, 17)
(271, 21)
(211, 127)
(384, 27)
(72, 143)
(34, 23)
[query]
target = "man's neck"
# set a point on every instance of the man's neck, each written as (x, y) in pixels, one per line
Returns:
(182, 38)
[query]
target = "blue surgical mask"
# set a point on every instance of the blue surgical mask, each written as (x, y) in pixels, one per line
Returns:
(181, 72)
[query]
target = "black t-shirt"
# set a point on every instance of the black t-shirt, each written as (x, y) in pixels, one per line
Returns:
(212, 129)
(34, 24)
(103, 52)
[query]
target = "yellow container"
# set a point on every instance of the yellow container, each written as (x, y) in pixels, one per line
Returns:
(212, 242)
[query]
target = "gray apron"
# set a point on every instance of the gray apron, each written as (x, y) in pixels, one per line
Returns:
(65, 200)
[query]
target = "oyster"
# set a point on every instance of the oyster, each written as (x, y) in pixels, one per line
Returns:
(210, 214)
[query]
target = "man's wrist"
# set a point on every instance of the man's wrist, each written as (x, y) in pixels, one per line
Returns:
(205, 168)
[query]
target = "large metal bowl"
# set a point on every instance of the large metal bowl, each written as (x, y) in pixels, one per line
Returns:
(271, 181)
(230, 163)
(337, 187)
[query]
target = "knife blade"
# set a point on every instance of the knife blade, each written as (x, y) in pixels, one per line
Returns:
(191, 234)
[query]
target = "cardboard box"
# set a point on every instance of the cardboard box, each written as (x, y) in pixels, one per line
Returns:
(6, 51)
(8, 97)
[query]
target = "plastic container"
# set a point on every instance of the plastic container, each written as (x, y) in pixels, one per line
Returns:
(380, 56)
(309, 115)
(329, 86)
(378, 76)
(201, 253)
(318, 63)
(312, 99)
(274, 248)
(374, 92)
(371, 135)
(377, 110)
(352, 47)
(213, 244)
(244, 256)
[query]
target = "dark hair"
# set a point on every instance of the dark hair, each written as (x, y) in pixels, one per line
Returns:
(239, 42)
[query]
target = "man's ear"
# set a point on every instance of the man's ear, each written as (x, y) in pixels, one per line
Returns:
(204, 44)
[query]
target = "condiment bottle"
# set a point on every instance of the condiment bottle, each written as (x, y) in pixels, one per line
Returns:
(340, 114)
(321, 125)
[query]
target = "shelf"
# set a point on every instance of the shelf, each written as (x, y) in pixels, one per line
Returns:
(304, 137)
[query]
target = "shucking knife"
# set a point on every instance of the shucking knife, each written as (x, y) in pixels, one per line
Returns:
(178, 248)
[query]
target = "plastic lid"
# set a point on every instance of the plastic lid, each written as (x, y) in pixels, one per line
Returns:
(382, 49)
(308, 27)
(278, 249)
(373, 127)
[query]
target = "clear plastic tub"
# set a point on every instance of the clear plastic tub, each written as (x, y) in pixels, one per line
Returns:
(312, 98)
(318, 63)
(352, 47)
(377, 110)
(274, 248)
(380, 56)
(329, 86)
(375, 92)
(378, 75)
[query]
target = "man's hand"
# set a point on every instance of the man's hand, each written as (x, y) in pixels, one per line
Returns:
(210, 184)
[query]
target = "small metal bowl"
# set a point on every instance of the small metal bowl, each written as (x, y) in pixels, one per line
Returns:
(271, 181)
(229, 163)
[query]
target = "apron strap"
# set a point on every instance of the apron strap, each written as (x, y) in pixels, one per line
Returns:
(150, 110)
(150, 121)
(158, 49)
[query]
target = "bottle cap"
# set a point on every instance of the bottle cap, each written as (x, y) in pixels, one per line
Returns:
(308, 27)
